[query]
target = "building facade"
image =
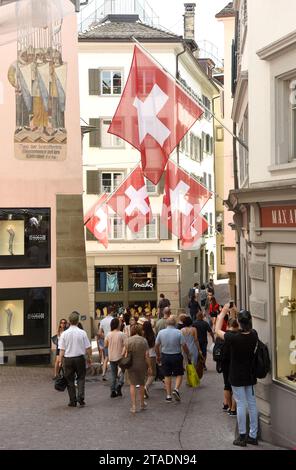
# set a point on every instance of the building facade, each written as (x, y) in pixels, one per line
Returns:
(149, 263)
(264, 201)
(43, 273)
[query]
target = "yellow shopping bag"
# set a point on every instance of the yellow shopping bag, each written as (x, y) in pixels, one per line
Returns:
(192, 377)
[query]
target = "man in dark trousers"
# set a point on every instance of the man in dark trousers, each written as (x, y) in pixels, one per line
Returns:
(163, 302)
(73, 345)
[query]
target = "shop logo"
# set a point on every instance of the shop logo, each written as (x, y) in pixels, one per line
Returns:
(36, 316)
(148, 285)
(1, 353)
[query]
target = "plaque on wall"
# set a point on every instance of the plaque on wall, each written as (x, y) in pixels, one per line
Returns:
(258, 308)
(257, 271)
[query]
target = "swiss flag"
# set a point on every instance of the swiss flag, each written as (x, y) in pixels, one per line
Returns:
(183, 200)
(131, 202)
(96, 220)
(154, 114)
(195, 231)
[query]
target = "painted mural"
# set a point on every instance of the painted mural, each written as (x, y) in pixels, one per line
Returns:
(39, 77)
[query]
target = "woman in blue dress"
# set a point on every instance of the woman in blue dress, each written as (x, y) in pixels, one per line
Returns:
(190, 336)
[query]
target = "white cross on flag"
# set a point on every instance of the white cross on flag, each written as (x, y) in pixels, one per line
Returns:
(96, 220)
(131, 202)
(154, 114)
(183, 200)
(193, 234)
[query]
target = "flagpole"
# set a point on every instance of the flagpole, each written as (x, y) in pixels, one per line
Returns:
(200, 103)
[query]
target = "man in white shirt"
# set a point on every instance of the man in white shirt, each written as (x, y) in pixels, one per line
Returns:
(73, 345)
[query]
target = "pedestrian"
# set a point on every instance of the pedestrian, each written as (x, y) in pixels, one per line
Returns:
(213, 309)
(149, 335)
(194, 307)
(169, 345)
(229, 403)
(61, 328)
(163, 302)
(203, 328)
(191, 340)
(132, 322)
(210, 287)
(203, 295)
(242, 345)
(181, 319)
(104, 329)
(194, 291)
(162, 322)
(115, 342)
(138, 347)
(100, 343)
(74, 344)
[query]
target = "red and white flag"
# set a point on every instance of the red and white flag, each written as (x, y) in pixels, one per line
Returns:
(183, 200)
(131, 202)
(154, 114)
(96, 220)
(196, 230)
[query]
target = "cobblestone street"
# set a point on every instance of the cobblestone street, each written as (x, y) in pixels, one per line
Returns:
(34, 416)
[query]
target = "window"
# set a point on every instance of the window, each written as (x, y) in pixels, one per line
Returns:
(109, 279)
(109, 140)
(210, 182)
(110, 181)
(117, 229)
(208, 143)
(204, 179)
(142, 278)
(207, 103)
(151, 188)
(219, 134)
(285, 328)
(149, 232)
(243, 153)
(211, 223)
(206, 216)
(196, 264)
(111, 82)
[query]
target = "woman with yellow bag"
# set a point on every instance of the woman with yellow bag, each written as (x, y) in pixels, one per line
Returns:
(191, 340)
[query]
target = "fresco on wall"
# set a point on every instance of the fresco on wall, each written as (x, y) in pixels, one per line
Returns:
(39, 78)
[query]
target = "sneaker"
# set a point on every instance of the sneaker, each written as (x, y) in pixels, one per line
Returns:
(225, 407)
(113, 395)
(253, 441)
(72, 403)
(118, 391)
(81, 402)
(104, 378)
(240, 441)
(231, 413)
(176, 395)
(168, 400)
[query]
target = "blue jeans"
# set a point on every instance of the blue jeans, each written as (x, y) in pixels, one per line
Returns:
(245, 398)
(116, 381)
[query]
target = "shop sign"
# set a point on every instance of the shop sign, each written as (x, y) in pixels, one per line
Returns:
(146, 285)
(36, 316)
(278, 217)
(167, 260)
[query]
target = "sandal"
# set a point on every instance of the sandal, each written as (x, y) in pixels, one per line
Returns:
(133, 410)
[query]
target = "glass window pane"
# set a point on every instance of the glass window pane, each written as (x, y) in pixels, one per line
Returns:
(117, 179)
(285, 301)
(106, 138)
(116, 83)
(108, 279)
(142, 278)
(151, 230)
(151, 188)
(106, 83)
(106, 182)
(117, 229)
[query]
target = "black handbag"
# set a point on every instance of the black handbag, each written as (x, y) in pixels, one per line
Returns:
(60, 383)
(126, 362)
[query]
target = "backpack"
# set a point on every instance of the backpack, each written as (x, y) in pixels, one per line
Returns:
(191, 292)
(261, 364)
(218, 355)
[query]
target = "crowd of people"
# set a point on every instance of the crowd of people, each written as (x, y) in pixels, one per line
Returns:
(140, 349)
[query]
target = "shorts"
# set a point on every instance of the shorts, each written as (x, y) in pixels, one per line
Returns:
(213, 314)
(57, 352)
(227, 385)
(101, 344)
(172, 365)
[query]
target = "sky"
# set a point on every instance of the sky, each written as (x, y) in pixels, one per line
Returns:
(206, 25)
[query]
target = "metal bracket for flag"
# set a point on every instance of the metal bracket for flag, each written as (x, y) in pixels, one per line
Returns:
(199, 102)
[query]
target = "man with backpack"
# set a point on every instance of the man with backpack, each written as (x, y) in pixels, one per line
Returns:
(242, 377)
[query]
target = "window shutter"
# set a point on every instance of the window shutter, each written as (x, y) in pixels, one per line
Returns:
(94, 81)
(92, 182)
(95, 135)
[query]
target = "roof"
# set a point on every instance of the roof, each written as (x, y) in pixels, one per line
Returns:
(114, 28)
(227, 11)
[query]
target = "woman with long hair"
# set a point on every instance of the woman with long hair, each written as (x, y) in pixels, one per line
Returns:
(141, 364)
(149, 335)
(191, 340)
(61, 328)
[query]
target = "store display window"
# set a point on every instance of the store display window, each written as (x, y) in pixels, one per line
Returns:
(109, 279)
(285, 331)
(102, 308)
(24, 238)
(142, 278)
(25, 317)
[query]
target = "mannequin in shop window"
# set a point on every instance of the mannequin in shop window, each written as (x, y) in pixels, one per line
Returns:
(9, 320)
(11, 233)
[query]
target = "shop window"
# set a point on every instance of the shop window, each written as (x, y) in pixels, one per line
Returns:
(102, 308)
(25, 317)
(285, 301)
(24, 238)
(142, 278)
(109, 279)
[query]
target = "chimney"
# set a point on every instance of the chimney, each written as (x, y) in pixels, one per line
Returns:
(189, 21)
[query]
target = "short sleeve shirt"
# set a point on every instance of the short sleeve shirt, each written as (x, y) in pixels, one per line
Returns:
(170, 340)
